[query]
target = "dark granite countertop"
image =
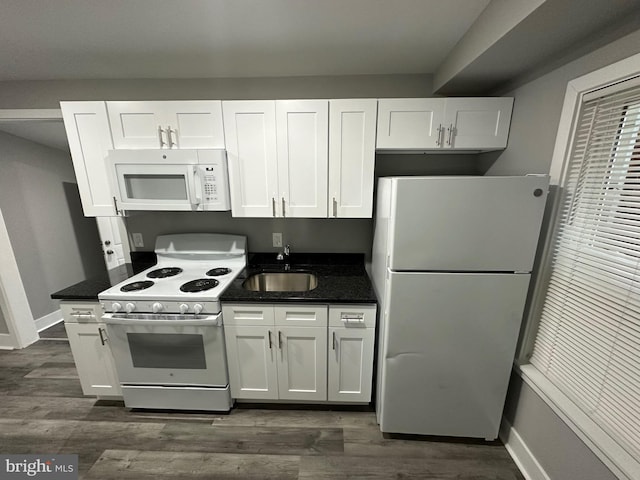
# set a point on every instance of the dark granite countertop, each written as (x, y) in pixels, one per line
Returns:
(341, 279)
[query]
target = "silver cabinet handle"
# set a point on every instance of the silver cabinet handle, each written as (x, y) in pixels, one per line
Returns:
(115, 206)
(283, 214)
(170, 138)
(102, 338)
(450, 129)
(335, 207)
(162, 144)
(333, 341)
(273, 204)
(279, 339)
(438, 138)
(270, 342)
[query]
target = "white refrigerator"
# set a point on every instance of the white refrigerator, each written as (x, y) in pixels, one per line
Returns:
(451, 265)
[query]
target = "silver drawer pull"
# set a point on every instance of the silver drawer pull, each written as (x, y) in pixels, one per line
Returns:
(352, 318)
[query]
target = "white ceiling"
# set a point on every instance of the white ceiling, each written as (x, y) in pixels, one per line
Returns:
(106, 39)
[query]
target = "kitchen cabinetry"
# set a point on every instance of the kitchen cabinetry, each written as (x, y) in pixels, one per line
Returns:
(250, 136)
(352, 139)
(300, 352)
(277, 153)
(276, 352)
(90, 348)
(443, 124)
(302, 138)
(350, 359)
(89, 136)
(166, 124)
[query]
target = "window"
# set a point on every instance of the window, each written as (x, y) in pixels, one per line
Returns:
(588, 340)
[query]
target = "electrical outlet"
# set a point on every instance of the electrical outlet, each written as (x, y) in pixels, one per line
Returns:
(137, 240)
(277, 239)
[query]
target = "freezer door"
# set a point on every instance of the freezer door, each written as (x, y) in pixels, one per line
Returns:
(466, 223)
(449, 343)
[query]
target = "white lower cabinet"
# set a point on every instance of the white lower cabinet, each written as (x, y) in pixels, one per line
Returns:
(289, 352)
(90, 348)
(251, 359)
(302, 363)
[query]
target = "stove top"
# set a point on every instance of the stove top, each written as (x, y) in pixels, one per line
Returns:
(164, 272)
(183, 276)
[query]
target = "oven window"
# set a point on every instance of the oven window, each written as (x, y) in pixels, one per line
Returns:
(167, 350)
(156, 187)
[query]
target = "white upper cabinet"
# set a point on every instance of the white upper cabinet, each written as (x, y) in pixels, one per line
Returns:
(166, 124)
(302, 138)
(89, 139)
(277, 152)
(443, 123)
(352, 139)
(410, 123)
(250, 136)
(477, 123)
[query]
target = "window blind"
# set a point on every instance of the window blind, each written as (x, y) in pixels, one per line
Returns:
(588, 340)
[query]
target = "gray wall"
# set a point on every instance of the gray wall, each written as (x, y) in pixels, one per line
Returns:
(54, 245)
(304, 234)
(48, 94)
(4, 329)
(536, 116)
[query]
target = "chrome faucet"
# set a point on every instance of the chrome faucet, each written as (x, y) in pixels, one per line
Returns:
(284, 255)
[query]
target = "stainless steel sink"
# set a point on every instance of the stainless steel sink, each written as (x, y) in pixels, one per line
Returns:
(281, 282)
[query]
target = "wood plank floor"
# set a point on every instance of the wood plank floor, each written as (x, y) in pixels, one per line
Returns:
(42, 410)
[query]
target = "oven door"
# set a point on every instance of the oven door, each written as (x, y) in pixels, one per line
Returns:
(168, 350)
(155, 186)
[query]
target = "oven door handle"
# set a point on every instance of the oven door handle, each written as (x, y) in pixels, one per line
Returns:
(212, 320)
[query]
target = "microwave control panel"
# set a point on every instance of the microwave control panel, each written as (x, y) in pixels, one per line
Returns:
(215, 189)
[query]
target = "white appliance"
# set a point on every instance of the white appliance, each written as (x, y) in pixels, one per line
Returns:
(165, 325)
(451, 265)
(195, 180)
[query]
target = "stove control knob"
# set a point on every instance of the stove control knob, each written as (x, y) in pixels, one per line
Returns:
(184, 308)
(157, 307)
(197, 308)
(116, 307)
(130, 307)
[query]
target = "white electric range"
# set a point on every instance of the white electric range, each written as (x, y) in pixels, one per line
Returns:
(165, 324)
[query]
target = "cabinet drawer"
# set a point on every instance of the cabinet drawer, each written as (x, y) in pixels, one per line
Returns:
(247, 314)
(81, 312)
(301, 315)
(352, 316)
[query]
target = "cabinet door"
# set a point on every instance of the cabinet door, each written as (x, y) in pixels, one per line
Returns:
(302, 132)
(251, 358)
(89, 137)
(410, 123)
(302, 363)
(477, 123)
(93, 358)
(195, 124)
(250, 136)
(350, 365)
(352, 140)
(138, 124)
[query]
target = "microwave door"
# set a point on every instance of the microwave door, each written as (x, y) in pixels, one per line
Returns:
(156, 187)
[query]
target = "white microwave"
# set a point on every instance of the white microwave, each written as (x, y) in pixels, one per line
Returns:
(195, 180)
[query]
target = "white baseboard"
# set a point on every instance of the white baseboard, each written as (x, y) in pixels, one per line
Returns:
(519, 451)
(48, 320)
